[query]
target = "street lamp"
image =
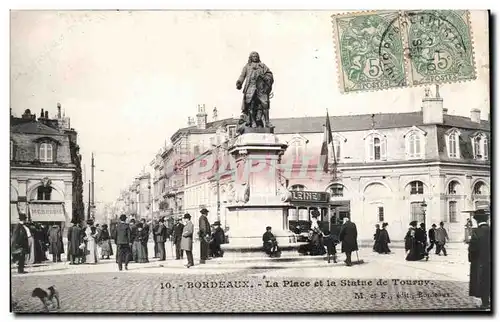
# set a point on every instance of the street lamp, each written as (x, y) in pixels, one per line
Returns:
(424, 207)
(218, 148)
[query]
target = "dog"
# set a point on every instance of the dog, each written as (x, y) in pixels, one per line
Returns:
(50, 299)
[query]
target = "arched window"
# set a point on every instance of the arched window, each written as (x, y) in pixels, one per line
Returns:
(44, 193)
(480, 146)
(337, 146)
(414, 145)
(298, 187)
(336, 190)
(297, 147)
(416, 188)
(46, 152)
(452, 187)
(375, 147)
(480, 189)
(453, 144)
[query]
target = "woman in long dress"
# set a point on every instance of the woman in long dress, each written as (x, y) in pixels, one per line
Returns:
(106, 249)
(383, 240)
(317, 246)
(30, 257)
(91, 235)
(141, 243)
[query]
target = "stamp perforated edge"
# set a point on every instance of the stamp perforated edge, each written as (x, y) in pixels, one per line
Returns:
(340, 78)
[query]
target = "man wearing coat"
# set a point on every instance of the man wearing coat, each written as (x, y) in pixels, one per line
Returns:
(177, 238)
(204, 234)
(19, 243)
(348, 236)
(480, 259)
(187, 239)
(123, 240)
(161, 238)
(56, 247)
(155, 225)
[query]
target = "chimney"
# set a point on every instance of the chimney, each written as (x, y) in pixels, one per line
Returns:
(59, 110)
(475, 115)
(445, 111)
(42, 114)
(214, 117)
(432, 107)
(201, 117)
(27, 114)
(46, 114)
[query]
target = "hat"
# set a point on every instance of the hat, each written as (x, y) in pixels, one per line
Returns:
(162, 219)
(385, 224)
(433, 225)
(187, 216)
(268, 227)
(90, 222)
(217, 223)
(22, 217)
(123, 217)
(132, 220)
(104, 226)
(413, 223)
(204, 211)
(139, 225)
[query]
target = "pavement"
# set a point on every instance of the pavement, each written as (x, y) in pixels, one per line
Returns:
(381, 283)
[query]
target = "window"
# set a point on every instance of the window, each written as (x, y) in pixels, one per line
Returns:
(416, 212)
(196, 150)
(414, 146)
(337, 147)
(479, 189)
(231, 130)
(416, 188)
(381, 214)
(297, 149)
(336, 190)
(452, 211)
(452, 188)
(453, 144)
(298, 187)
(376, 147)
(44, 193)
(45, 152)
(480, 147)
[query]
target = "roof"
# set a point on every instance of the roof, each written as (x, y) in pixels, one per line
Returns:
(344, 123)
(34, 127)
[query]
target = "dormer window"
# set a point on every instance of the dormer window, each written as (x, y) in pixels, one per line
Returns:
(480, 146)
(376, 147)
(231, 131)
(297, 145)
(338, 146)
(46, 153)
(453, 144)
(415, 143)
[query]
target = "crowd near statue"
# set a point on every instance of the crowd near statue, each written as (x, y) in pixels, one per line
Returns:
(259, 81)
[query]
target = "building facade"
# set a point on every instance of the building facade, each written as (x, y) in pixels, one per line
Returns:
(425, 165)
(137, 200)
(46, 178)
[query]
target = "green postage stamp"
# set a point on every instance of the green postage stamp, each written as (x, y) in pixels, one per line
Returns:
(389, 49)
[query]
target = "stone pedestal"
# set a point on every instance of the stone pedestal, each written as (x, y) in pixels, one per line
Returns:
(258, 202)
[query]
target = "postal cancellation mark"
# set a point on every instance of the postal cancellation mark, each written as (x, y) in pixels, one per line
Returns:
(389, 49)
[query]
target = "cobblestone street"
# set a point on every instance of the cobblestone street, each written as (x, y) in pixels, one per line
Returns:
(221, 286)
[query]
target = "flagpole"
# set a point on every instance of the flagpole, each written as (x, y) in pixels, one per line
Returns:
(334, 170)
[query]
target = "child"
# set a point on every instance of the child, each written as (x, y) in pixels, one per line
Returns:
(330, 240)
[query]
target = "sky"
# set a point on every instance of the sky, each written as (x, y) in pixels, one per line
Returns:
(129, 79)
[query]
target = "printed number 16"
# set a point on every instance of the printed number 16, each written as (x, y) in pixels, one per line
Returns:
(374, 70)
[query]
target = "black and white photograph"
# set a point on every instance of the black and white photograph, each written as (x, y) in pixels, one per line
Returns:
(250, 161)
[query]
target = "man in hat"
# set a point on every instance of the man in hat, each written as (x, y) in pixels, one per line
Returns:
(480, 259)
(204, 234)
(432, 238)
(349, 237)
(441, 238)
(270, 244)
(161, 238)
(187, 239)
(19, 243)
(218, 238)
(177, 238)
(123, 240)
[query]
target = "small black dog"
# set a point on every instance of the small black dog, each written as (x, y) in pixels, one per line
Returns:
(49, 299)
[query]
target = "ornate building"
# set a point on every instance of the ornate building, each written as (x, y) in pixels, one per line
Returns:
(46, 179)
(425, 165)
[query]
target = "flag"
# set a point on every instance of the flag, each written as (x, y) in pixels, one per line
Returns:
(327, 139)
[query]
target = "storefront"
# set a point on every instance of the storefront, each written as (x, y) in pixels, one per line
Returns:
(302, 204)
(47, 213)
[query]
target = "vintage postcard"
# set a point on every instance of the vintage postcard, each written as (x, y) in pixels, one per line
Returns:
(237, 162)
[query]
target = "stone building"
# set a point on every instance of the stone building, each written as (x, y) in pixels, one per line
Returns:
(136, 201)
(46, 179)
(425, 165)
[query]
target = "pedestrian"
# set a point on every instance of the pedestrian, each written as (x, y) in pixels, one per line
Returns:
(19, 243)
(204, 233)
(316, 239)
(177, 238)
(76, 241)
(30, 257)
(146, 230)
(331, 240)
(140, 242)
(415, 252)
(156, 225)
(56, 247)
(91, 235)
(480, 259)
(441, 239)
(187, 239)
(218, 237)
(123, 242)
(383, 240)
(349, 237)
(69, 254)
(133, 233)
(269, 243)
(432, 238)
(106, 248)
(161, 238)
(421, 238)
(375, 238)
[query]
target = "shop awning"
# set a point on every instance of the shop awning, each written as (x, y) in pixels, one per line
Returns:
(14, 214)
(46, 212)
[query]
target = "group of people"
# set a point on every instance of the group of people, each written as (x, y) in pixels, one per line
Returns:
(382, 240)
(416, 245)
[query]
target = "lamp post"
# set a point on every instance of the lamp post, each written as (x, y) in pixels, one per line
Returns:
(424, 207)
(218, 148)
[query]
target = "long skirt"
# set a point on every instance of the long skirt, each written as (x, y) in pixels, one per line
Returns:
(30, 257)
(416, 253)
(141, 254)
(106, 249)
(92, 255)
(317, 247)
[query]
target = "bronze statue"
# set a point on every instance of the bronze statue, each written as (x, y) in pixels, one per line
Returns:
(256, 92)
